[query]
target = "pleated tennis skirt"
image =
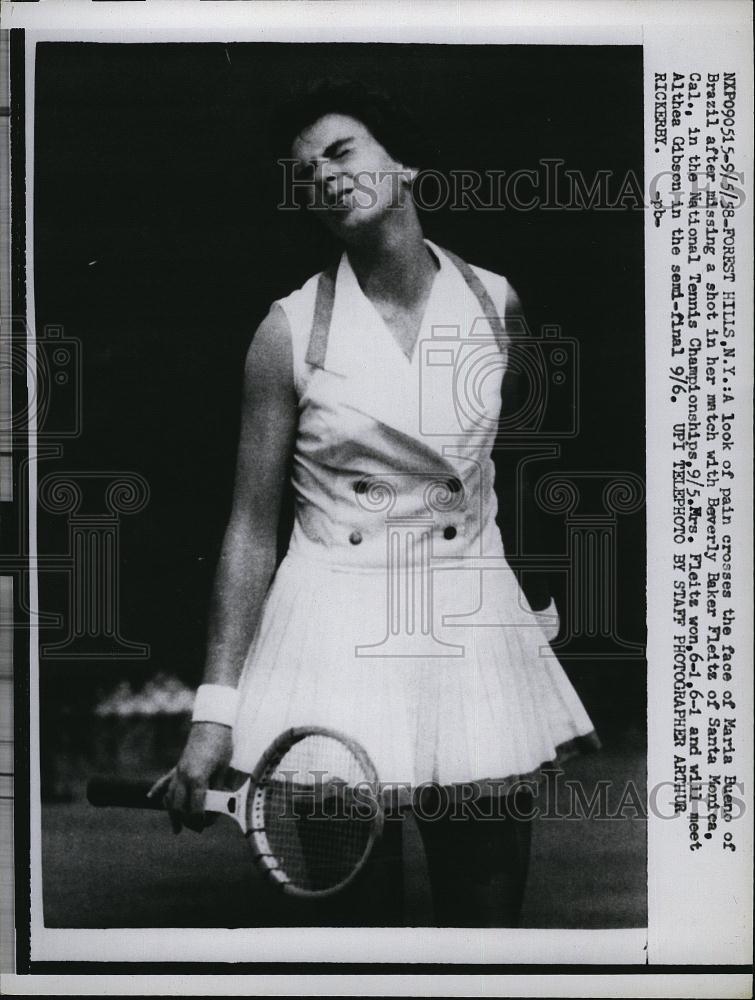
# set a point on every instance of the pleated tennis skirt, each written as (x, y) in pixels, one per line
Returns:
(488, 701)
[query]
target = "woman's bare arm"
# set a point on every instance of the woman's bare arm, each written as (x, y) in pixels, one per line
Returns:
(248, 554)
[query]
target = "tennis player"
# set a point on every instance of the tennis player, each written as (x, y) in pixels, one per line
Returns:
(371, 624)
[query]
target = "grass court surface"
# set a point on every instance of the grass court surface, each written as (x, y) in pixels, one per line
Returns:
(123, 868)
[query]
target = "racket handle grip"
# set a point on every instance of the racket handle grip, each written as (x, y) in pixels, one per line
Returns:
(123, 793)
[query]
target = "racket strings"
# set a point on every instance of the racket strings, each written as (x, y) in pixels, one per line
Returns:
(319, 812)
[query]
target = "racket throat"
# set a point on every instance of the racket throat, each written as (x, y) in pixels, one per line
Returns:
(232, 804)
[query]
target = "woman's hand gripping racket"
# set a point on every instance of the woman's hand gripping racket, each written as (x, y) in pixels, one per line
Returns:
(312, 809)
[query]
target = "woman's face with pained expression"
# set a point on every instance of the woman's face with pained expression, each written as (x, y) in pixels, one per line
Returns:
(353, 179)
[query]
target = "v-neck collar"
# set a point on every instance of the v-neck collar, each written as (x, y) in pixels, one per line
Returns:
(375, 378)
(347, 278)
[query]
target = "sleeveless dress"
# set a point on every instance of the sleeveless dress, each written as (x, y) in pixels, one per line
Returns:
(394, 616)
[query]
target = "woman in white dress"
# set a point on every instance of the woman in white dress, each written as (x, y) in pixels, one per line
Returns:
(394, 615)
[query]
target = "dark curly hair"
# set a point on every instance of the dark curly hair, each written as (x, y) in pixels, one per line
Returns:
(387, 119)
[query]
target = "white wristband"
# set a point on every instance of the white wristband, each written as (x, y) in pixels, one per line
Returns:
(215, 703)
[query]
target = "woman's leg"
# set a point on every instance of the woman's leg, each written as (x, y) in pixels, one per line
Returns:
(478, 863)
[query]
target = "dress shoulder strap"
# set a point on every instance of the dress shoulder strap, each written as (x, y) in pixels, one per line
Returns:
(318, 337)
(482, 295)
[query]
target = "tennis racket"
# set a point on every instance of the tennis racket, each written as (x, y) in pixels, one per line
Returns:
(311, 809)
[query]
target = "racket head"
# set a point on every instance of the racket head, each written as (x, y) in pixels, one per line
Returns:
(314, 811)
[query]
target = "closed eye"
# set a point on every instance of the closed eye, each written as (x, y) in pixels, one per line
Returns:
(338, 148)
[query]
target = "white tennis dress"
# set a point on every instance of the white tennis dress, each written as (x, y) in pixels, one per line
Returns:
(394, 616)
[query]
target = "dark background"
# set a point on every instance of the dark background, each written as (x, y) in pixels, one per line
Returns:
(158, 245)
